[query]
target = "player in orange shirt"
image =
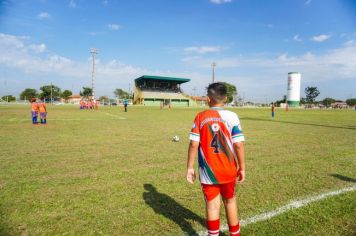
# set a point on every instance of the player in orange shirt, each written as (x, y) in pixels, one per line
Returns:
(216, 137)
(43, 112)
(34, 110)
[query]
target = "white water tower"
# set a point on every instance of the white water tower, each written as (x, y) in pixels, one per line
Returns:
(293, 93)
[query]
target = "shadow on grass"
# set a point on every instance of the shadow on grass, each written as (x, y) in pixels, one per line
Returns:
(165, 205)
(344, 178)
(300, 123)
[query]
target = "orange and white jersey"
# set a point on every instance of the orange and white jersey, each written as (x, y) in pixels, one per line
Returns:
(42, 107)
(34, 106)
(217, 130)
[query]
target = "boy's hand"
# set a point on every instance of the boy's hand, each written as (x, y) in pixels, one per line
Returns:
(240, 176)
(190, 175)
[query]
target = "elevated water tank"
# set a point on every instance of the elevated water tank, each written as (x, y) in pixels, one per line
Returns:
(293, 93)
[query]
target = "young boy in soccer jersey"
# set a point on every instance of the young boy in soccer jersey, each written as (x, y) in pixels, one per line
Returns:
(43, 112)
(273, 109)
(34, 110)
(217, 138)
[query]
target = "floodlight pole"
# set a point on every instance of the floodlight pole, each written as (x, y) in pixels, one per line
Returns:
(51, 94)
(93, 52)
(213, 67)
(129, 90)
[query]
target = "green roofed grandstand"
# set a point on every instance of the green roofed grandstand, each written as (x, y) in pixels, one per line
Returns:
(159, 90)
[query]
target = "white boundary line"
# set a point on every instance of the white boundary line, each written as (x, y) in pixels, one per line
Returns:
(291, 206)
(119, 117)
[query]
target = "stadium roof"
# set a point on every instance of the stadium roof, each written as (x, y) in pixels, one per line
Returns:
(162, 78)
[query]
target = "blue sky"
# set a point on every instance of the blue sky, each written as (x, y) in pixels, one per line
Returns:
(254, 43)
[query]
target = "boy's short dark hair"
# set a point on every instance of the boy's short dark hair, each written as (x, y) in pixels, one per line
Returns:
(217, 92)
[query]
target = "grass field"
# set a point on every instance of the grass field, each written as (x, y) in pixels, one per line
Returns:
(108, 172)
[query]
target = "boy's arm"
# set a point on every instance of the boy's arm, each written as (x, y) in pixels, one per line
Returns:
(240, 151)
(192, 153)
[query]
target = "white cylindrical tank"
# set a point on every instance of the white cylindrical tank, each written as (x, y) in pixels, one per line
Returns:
(293, 92)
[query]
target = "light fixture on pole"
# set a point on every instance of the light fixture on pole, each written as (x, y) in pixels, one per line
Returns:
(213, 66)
(93, 52)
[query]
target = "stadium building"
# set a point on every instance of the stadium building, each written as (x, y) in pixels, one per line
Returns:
(159, 90)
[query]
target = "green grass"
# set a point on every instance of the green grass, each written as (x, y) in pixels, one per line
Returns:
(115, 173)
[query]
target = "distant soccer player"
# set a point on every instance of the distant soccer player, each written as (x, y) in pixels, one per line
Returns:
(34, 110)
(43, 112)
(217, 138)
(126, 103)
(81, 104)
(273, 109)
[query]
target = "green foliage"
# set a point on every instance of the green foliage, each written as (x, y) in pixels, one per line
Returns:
(283, 100)
(28, 93)
(327, 101)
(303, 100)
(8, 98)
(311, 93)
(50, 91)
(351, 102)
(231, 92)
(104, 99)
(120, 93)
(66, 94)
(86, 92)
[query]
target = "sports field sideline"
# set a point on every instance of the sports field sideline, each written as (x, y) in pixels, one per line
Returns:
(114, 173)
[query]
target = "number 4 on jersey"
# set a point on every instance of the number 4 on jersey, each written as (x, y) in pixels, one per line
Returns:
(215, 143)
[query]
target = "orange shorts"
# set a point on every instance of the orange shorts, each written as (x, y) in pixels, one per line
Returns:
(212, 190)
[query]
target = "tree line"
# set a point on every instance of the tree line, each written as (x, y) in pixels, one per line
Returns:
(311, 93)
(47, 92)
(54, 93)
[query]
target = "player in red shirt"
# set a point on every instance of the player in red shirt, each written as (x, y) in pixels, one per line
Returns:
(216, 137)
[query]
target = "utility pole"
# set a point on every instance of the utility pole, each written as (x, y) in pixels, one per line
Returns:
(213, 66)
(51, 94)
(129, 90)
(93, 52)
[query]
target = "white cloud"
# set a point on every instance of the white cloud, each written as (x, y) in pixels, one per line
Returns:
(19, 56)
(72, 4)
(270, 26)
(94, 33)
(44, 15)
(105, 2)
(327, 66)
(220, 1)
(297, 38)
(264, 77)
(350, 42)
(320, 38)
(113, 26)
(40, 48)
(12, 41)
(203, 49)
(307, 2)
